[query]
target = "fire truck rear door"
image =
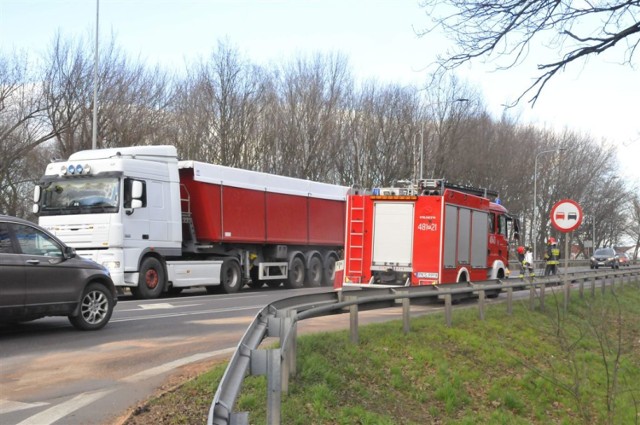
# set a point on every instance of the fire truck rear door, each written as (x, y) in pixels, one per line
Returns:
(393, 233)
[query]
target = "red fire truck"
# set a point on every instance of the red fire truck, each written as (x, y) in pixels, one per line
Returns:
(429, 233)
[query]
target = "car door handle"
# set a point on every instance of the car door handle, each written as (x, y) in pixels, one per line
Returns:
(33, 262)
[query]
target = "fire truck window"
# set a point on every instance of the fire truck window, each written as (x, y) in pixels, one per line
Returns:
(502, 226)
(492, 220)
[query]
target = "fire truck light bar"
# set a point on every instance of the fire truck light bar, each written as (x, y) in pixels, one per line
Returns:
(394, 198)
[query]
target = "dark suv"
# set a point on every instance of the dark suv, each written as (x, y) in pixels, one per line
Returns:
(41, 276)
(604, 257)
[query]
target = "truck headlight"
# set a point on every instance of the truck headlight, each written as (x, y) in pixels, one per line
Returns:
(111, 265)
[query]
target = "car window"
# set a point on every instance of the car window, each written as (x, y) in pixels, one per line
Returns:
(6, 247)
(34, 242)
(604, 252)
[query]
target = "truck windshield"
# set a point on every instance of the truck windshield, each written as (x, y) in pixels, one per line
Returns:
(80, 196)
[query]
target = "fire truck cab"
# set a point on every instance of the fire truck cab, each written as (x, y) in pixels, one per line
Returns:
(429, 233)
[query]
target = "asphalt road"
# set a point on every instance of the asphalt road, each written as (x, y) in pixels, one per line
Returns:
(51, 373)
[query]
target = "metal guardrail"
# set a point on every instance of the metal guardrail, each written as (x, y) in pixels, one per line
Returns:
(279, 319)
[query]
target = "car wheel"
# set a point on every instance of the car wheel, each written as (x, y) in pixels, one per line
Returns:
(96, 307)
(151, 280)
(591, 266)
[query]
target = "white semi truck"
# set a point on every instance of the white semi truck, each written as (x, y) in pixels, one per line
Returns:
(161, 225)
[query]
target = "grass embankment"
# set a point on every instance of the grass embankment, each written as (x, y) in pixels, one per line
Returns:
(582, 367)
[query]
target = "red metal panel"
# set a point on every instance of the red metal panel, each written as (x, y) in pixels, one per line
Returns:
(427, 241)
(287, 219)
(203, 200)
(243, 215)
(359, 239)
(326, 222)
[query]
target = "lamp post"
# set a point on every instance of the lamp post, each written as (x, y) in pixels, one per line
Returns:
(535, 189)
(94, 138)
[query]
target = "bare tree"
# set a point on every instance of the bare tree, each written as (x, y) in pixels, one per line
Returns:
(23, 127)
(312, 98)
(510, 28)
(217, 109)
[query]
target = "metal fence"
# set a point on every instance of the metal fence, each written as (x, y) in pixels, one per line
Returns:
(280, 319)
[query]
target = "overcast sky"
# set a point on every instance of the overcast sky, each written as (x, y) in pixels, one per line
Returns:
(378, 37)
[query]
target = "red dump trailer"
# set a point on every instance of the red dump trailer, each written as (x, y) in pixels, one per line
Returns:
(283, 229)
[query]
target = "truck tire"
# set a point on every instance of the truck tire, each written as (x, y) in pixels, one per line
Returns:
(329, 271)
(151, 280)
(295, 280)
(314, 273)
(230, 277)
(96, 307)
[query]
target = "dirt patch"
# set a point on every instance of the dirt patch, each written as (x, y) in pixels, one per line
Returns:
(144, 414)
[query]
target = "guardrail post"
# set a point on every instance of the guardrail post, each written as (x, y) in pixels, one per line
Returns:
(532, 295)
(406, 307)
(293, 343)
(353, 321)
(509, 301)
(604, 284)
(481, 297)
(593, 286)
(268, 362)
(581, 288)
(447, 309)
(543, 292)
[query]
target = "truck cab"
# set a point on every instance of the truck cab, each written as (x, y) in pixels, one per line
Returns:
(114, 206)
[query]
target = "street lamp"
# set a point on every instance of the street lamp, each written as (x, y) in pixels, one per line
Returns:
(535, 188)
(94, 136)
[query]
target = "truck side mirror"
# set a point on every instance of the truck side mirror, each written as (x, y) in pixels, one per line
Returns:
(136, 192)
(37, 193)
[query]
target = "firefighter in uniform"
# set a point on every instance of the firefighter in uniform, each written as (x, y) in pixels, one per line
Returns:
(552, 257)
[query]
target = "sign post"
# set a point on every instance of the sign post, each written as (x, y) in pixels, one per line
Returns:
(566, 216)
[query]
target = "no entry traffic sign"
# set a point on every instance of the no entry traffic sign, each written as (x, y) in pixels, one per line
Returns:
(566, 215)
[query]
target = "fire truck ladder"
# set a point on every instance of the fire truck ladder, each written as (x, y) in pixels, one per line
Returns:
(356, 235)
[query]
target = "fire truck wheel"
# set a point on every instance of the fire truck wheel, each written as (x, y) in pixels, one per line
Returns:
(151, 279)
(314, 273)
(230, 277)
(296, 274)
(329, 271)
(274, 283)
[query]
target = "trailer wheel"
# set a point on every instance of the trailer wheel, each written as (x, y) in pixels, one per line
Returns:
(295, 279)
(314, 272)
(273, 284)
(151, 279)
(230, 277)
(329, 271)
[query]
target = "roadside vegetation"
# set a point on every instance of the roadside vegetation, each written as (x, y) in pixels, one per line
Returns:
(551, 367)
